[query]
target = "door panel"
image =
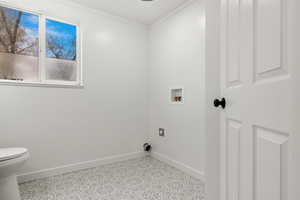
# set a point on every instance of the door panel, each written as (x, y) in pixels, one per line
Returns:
(271, 152)
(255, 81)
(233, 70)
(270, 38)
(233, 156)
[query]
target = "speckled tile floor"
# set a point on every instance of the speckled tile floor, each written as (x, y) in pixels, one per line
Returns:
(137, 179)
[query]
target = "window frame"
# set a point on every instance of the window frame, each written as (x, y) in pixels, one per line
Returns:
(42, 81)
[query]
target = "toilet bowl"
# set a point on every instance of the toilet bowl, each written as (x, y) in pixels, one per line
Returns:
(11, 159)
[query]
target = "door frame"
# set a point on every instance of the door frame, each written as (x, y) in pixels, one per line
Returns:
(294, 64)
(212, 90)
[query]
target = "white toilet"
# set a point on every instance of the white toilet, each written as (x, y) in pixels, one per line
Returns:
(11, 159)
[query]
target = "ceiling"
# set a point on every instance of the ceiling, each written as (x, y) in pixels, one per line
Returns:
(146, 12)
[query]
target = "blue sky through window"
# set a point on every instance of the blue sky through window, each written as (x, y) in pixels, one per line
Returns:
(60, 37)
(31, 23)
(61, 40)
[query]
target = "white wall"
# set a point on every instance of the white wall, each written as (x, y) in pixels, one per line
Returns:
(107, 117)
(177, 57)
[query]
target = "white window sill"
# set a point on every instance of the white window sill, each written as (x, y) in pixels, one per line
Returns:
(56, 84)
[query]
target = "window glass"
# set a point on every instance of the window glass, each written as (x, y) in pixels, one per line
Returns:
(19, 45)
(60, 51)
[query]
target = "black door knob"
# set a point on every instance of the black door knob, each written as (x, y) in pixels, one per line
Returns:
(221, 103)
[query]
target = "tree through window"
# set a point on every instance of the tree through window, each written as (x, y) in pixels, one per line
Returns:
(19, 45)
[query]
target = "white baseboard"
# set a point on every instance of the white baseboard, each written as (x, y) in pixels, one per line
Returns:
(77, 166)
(187, 169)
(107, 160)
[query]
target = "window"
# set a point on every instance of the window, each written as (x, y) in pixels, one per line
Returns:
(37, 49)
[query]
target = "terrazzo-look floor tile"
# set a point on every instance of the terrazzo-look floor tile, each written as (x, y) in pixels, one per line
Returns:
(138, 179)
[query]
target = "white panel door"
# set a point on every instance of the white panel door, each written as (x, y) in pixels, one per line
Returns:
(255, 124)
